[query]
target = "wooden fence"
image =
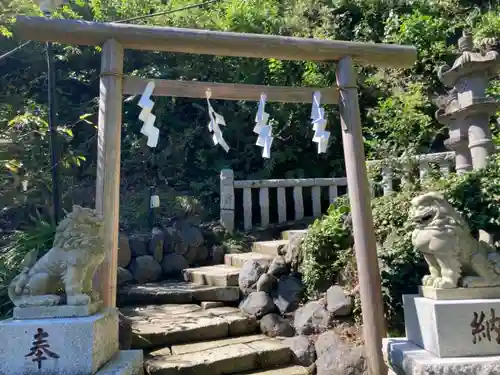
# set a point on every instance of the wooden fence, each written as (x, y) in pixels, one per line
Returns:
(319, 188)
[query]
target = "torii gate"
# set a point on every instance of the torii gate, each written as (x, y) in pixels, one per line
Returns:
(116, 37)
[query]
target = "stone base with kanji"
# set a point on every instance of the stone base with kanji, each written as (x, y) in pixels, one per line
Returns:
(453, 328)
(65, 346)
(405, 358)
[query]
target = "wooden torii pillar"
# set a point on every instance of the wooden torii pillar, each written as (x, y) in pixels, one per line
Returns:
(116, 37)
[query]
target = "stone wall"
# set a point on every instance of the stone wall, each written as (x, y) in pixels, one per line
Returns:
(166, 252)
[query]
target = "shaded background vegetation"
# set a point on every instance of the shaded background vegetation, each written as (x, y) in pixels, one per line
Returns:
(396, 105)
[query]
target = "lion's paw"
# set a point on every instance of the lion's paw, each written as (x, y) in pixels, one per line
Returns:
(78, 299)
(428, 280)
(443, 283)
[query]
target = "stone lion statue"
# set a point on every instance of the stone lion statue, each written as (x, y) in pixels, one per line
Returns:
(455, 258)
(67, 267)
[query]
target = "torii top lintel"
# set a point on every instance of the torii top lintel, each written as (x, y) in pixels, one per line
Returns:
(212, 42)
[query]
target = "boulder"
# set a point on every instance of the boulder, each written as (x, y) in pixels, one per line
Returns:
(303, 350)
(250, 274)
(312, 318)
(337, 302)
(217, 254)
(266, 283)
(337, 358)
(293, 251)
(124, 332)
(155, 247)
(190, 255)
(189, 234)
(258, 304)
(145, 269)
(138, 244)
(274, 325)
(288, 293)
(124, 252)
(171, 240)
(201, 255)
(278, 267)
(174, 264)
(123, 276)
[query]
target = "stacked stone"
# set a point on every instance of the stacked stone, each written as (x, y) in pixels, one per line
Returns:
(272, 293)
(163, 254)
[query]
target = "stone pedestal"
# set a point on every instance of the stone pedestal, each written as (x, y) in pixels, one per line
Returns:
(64, 346)
(406, 358)
(453, 328)
(448, 332)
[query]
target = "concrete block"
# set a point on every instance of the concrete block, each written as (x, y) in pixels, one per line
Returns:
(60, 346)
(460, 293)
(406, 358)
(239, 259)
(218, 275)
(453, 328)
(125, 362)
(60, 311)
(273, 248)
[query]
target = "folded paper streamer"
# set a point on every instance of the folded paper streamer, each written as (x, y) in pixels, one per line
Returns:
(154, 201)
(215, 121)
(265, 139)
(148, 129)
(319, 123)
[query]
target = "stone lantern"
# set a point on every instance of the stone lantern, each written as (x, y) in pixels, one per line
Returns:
(466, 110)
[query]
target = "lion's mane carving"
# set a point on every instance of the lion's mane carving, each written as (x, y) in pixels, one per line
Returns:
(455, 258)
(67, 267)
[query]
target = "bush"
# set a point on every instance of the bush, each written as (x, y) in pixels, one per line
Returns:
(38, 237)
(326, 249)
(327, 246)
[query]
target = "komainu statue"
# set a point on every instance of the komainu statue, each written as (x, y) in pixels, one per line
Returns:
(455, 258)
(66, 270)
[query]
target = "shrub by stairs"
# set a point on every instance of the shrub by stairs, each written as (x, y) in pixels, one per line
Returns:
(180, 337)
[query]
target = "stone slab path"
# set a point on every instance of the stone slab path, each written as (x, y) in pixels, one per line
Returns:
(218, 275)
(184, 330)
(290, 370)
(239, 259)
(269, 247)
(174, 292)
(162, 325)
(227, 356)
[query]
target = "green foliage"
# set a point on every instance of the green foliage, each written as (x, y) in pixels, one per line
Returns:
(400, 112)
(327, 249)
(474, 195)
(37, 237)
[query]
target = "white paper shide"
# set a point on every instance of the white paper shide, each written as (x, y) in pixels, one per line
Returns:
(214, 125)
(265, 139)
(148, 129)
(319, 122)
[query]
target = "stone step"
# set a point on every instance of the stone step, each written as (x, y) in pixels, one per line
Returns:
(239, 259)
(165, 292)
(290, 370)
(287, 234)
(269, 247)
(156, 326)
(218, 275)
(227, 356)
(125, 362)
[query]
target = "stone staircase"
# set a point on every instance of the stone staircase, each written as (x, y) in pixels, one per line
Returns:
(194, 327)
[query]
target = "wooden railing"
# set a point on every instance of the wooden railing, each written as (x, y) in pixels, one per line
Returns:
(444, 160)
